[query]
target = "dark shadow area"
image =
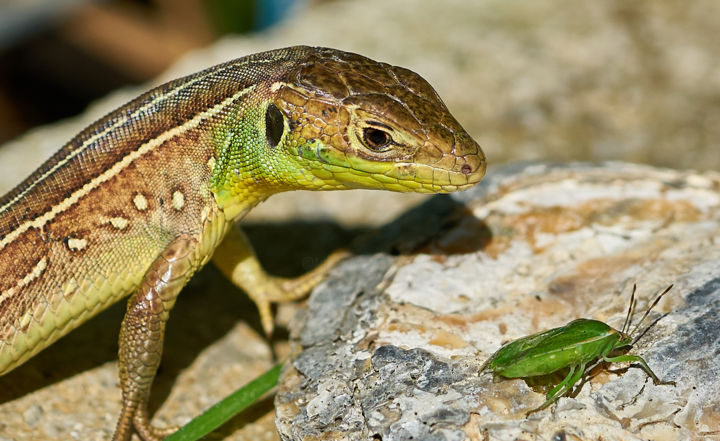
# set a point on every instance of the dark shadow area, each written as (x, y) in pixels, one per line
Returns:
(290, 249)
(423, 229)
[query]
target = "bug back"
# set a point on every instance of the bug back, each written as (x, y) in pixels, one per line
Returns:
(580, 341)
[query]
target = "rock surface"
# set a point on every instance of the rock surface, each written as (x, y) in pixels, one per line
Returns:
(390, 348)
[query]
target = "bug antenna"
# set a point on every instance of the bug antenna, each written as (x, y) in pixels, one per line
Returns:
(636, 339)
(631, 308)
(647, 311)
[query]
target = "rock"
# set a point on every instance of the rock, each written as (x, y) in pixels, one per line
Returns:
(391, 347)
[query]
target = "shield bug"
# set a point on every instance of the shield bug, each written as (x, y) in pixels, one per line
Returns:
(577, 346)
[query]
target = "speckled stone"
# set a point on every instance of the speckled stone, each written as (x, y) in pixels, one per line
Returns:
(535, 246)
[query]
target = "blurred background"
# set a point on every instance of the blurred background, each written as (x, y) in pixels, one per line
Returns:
(546, 80)
(56, 56)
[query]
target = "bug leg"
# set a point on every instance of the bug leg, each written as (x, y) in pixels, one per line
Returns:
(563, 387)
(643, 364)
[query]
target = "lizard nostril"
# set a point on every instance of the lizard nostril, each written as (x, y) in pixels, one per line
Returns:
(466, 169)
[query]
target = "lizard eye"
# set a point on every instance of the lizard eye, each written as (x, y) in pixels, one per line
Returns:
(376, 139)
(274, 125)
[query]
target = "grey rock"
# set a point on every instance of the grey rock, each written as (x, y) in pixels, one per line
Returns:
(533, 247)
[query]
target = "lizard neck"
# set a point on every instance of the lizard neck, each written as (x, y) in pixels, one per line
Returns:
(244, 173)
(236, 204)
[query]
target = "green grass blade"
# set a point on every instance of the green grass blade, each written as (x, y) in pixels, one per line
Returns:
(234, 403)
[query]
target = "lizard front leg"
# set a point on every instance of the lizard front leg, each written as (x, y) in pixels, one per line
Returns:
(237, 261)
(142, 333)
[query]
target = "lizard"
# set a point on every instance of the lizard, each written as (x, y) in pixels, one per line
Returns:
(141, 199)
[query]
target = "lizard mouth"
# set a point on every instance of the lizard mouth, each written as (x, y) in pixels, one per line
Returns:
(458, 168)
(432, 179)
(404, 176)
(440, 180)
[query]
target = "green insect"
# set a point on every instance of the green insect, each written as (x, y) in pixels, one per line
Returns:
(577, 346)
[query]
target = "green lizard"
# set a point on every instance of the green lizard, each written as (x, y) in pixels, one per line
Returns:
(141, 199)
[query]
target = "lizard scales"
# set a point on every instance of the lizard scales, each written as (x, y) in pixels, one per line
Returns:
(141, 199)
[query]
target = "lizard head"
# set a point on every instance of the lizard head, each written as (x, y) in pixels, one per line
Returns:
(323, 119)
(345, 121)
